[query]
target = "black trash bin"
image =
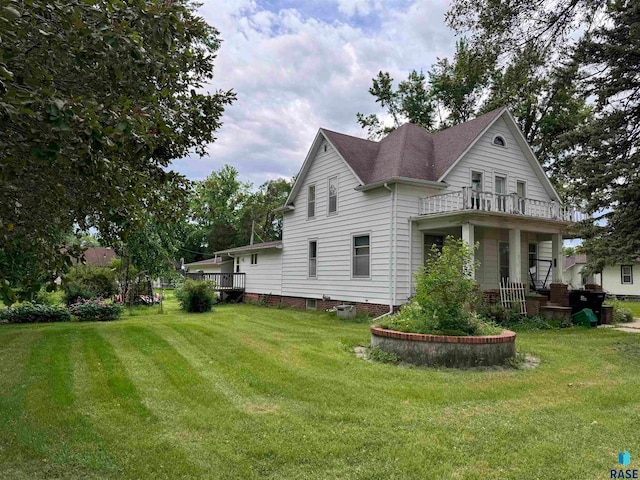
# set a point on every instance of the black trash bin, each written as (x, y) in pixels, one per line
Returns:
(581, 299)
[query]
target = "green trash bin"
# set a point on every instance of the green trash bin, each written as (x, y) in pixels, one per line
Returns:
(585, 317)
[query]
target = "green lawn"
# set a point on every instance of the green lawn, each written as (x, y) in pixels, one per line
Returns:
(249, 392)
(634, 307)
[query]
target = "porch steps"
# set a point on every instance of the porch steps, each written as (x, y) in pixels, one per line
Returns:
(554, 311)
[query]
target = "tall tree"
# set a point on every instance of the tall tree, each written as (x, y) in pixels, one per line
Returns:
(215, 207)
(411, 102)
(96, 99)
(258, 215)
(605, 172)
(458, 86)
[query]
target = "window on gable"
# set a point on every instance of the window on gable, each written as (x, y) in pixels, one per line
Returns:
(254, 259)
(311, 201)
(499, 141)
(333, 195)
(626, 274)
(361, 256)
(313, 258)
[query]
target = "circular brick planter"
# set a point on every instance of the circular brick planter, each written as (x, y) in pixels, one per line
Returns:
(444, 350)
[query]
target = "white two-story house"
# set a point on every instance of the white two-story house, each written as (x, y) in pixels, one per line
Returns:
(363, 215)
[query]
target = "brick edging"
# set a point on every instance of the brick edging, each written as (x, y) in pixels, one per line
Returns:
(506, 336)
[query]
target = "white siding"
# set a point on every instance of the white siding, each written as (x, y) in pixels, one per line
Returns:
(612, 283)
(493, 160)
(266, 276)
(408, 206)
(358, 213)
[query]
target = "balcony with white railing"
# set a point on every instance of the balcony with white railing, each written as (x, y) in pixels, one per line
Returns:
(468, 200)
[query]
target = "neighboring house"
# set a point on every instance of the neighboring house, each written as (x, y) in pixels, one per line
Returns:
(622, 280)
(619, 279)
(99, 256)
(363, 215)
(574, 274)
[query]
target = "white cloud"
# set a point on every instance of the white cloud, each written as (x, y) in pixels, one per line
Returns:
(294, 73)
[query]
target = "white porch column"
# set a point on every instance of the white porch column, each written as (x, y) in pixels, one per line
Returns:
(515, 256)
(468, 237)
(556, 254)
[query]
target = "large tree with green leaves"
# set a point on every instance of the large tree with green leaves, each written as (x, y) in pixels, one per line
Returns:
(96, 99)
(225, 212)
(605, 171)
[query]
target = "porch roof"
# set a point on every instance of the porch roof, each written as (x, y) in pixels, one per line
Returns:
(502, 220)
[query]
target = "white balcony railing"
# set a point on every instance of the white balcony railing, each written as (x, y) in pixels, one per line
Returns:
(469, 200)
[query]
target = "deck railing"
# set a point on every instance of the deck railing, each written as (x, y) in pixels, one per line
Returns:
(223, 281)
(468, 199)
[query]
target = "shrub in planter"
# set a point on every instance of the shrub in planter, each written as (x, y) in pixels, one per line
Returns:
(85, 281)
(196, 296)
(96, 310)
(445, 289)
(35, 313)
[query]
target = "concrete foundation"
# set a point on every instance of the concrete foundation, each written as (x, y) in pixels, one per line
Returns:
(448, 351)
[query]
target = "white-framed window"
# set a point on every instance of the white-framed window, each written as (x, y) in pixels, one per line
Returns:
(237, 264)
(311, 201)
(499, 141)
(311, 304)
(500, 188)
(476, 181)
(361, 256)
(332, 192)
(626, 274)
(476, 187)
(254, 259)
(313, 258)
(521, 192)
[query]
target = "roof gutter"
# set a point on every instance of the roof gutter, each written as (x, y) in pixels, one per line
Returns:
(284, 208)
(406, 180)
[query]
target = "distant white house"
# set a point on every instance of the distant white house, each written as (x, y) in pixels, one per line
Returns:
(574, 272)
(621, 279)
(362, 215)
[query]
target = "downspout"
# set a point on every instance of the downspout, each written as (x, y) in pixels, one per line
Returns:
(391, 259)
(410, 258)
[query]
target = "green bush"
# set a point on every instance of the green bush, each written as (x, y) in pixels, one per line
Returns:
(513, 320)
(35, 313)
(196, 296)
(96, 310)
(47, 298)
(445, 288)
(445, 296)
(86, 282)
(621, 313)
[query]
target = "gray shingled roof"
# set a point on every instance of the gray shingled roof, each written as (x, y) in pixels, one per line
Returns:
(409, 151)
(250, 248)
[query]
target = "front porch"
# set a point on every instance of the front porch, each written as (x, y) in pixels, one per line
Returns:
(513, 248)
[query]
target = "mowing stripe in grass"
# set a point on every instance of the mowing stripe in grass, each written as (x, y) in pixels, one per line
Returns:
(52, 429)
(109, 380)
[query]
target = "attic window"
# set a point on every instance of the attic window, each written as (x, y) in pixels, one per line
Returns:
(325, 147)
(499, 141)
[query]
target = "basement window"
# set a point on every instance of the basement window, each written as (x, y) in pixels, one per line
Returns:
(312, 304)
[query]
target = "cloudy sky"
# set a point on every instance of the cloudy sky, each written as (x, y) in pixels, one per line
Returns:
(298, 65)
